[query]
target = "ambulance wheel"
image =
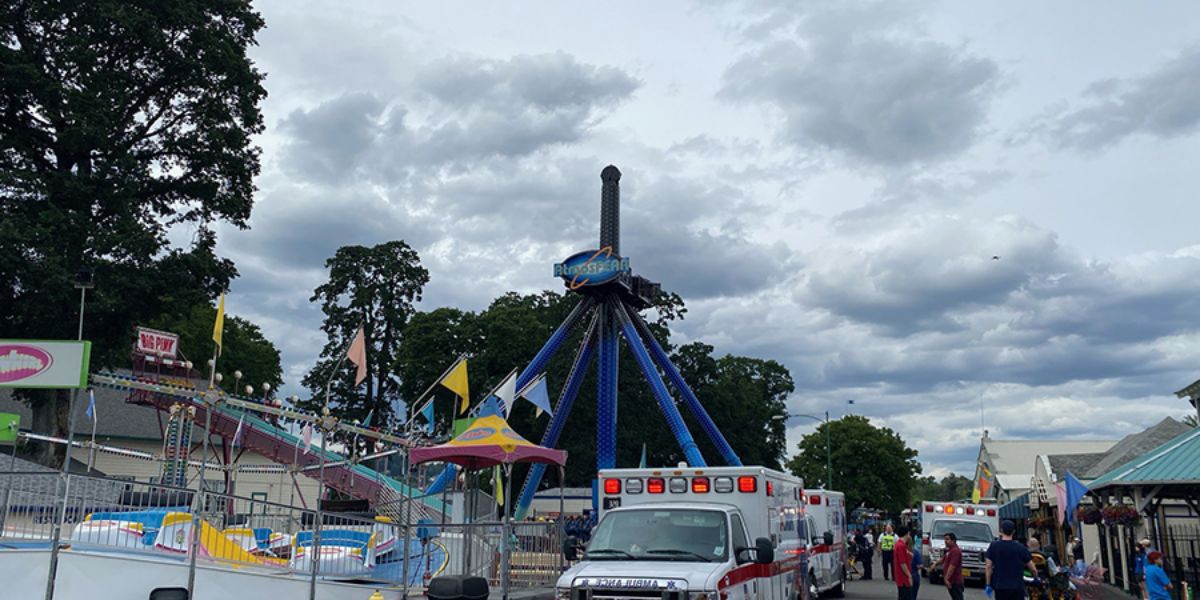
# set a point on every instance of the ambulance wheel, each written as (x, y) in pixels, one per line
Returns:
(839, 591)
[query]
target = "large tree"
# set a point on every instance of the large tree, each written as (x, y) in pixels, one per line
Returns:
(120, 120)
(871, 465)
(373, 288)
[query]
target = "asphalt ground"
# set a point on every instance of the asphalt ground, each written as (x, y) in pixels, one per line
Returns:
(879, 588)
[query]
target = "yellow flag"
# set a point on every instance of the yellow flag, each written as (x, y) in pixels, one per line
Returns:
(456, 381)
(219, 324)
(498, 485)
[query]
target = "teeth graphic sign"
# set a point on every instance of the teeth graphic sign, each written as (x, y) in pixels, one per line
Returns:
(44, 364)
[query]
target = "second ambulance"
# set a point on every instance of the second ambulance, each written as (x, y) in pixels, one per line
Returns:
(714, 533)
(973, 525)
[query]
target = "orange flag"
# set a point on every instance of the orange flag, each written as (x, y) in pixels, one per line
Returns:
(358, 355)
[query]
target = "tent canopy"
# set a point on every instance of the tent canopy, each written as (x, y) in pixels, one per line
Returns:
(489, 441)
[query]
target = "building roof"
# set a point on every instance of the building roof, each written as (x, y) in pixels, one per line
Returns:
(1176, 462)
(115, 417)
(1013, 461)
(1135, 445)
(37, 486)
(1078, 464)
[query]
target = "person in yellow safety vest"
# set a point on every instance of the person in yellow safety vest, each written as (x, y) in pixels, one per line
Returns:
(887, 541)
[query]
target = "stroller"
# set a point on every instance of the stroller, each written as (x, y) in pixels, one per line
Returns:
(1049, 582)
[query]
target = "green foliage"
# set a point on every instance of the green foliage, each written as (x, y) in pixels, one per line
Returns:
(513, 328)
(119, 120)
(373, 288)
(871, 464)
(244, 348)
(949, 488)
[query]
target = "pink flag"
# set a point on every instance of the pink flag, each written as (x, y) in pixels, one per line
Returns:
(358, 355)
(306, 435)
(1060, 490)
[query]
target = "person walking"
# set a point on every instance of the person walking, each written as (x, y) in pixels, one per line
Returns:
(1158, 585)
(865, 554)
(887, 541)
(1006, 563)
(951, 564)
(902, 564)
(1143, 550)
(917, 561)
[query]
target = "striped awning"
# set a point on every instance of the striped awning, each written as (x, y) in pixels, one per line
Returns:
(1017, 508)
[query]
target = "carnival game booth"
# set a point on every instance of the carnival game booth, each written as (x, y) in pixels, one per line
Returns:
(490, 442)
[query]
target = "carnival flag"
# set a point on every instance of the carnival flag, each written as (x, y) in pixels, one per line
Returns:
(427, 412)
(219, 324)
(507, 392)
(91, 409)
(537, 395)
(498, 485)
(358, 355)
(1060, 492)
(237, 435)
(490, 407)
(306, 435)
(456, 381)
(1075, 493)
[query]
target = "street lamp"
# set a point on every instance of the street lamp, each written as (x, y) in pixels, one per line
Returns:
(828, 452)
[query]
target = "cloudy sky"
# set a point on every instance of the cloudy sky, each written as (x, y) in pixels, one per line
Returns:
(826, 184)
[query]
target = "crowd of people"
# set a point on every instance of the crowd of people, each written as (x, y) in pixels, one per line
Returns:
(1010, 564)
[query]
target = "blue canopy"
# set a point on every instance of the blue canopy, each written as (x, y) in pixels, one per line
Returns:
(1017, 508)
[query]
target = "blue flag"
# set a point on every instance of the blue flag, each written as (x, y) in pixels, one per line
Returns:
(91, 409)
(538, 396)
(427, 412)
(1075, 493)
(491, 407)
(642, 464)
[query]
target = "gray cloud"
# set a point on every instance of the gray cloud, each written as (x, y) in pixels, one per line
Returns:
(1164, 104)
(329, 143)
(845, 80)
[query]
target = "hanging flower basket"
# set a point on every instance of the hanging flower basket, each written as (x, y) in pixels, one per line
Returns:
(1119, 514)
(1089, 515)
(1042, 522)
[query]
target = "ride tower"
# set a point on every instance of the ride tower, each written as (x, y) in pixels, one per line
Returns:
(611, 300)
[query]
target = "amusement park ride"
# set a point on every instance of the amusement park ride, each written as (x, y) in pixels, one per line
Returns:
(611, 300)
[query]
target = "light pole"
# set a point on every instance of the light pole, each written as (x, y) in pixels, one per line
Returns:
(828, 452)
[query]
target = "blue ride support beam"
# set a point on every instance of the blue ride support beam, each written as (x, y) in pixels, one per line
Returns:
(606, 389)
(566, 399)
(674, 420)
(536, 366)
(689, 398)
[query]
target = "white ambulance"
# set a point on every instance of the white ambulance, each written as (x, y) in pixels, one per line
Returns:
(825, 522)
(714, 533)
(975, 526)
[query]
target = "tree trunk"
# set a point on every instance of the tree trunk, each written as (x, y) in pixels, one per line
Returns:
(50, 416)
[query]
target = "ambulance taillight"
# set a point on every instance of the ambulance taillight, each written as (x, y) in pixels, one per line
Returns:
(747, 485)
(612, 487)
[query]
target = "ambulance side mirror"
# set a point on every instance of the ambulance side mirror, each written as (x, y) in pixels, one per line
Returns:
(764, 551)
(828, 539)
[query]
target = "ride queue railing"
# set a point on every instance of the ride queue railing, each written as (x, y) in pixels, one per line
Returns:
(403, 551)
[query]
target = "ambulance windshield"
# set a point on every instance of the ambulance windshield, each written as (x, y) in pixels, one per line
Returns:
(964, 531)
(657, 534)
